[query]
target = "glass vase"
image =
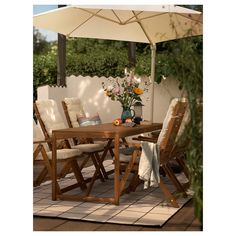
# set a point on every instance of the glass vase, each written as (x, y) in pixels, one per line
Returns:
(127, 113)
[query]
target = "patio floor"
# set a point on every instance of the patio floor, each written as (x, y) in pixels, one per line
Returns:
(183, 220)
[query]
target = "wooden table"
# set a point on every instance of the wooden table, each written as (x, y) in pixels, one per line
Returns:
(98, 131)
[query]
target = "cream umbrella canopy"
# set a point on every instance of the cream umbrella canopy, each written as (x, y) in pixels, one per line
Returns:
(141, 23)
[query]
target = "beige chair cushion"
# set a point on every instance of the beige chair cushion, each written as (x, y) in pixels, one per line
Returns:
(75, 110)
(37, 132)
(38, 136)
(168, 117)
(184, 123)
(50, 115)
(90, 147)
(104, 143)
(62, 154)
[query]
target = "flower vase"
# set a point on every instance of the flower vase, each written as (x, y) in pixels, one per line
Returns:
(127, 113)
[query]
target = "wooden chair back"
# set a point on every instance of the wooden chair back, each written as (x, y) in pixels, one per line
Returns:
(73, 109)
(46, 135)
(65, 109)
(61, 143)
(168, 142)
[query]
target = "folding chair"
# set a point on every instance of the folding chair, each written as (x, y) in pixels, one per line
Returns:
(50, 119)
(67, 158)
(178, 153)
(73, 109)
(166, 143)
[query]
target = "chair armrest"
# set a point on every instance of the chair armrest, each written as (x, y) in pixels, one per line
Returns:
(155, 134)
(48, 140)
(153, 138)
(39, 142)
(147, 139)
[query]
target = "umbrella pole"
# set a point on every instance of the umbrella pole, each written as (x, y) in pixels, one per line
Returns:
(153, 63)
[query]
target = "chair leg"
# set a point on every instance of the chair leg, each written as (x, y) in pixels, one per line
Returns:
(37, 151)
(173, 179)
(183, 165)
(84, 162)
(111, 152)
(128, 169)
(78, 175)
(98, 170)
(124, 142)
(134, 183)
(49, 168)
(99, 160)
(101, 166)
(96, 174)
(41, 177)
(65, 170)
(168, 194)
(98, 165)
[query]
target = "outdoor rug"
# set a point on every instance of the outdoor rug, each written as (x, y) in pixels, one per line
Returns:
(142, 207)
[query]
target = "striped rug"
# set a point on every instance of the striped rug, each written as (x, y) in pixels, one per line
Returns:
(142, 207)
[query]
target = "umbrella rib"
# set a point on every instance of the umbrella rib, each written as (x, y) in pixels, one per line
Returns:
(117, 16)
(92, 15)
(144, 31)
(144, 18)
(82, 23)
(129, 20)
(96, 14)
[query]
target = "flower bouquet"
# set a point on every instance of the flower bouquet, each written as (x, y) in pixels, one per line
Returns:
(126, 90)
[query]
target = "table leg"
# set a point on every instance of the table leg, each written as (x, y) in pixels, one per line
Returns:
(54, 168)
(117, 171)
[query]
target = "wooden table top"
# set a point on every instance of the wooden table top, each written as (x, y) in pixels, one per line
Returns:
(107, 130)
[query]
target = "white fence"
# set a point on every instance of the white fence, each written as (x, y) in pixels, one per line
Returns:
(89, 90)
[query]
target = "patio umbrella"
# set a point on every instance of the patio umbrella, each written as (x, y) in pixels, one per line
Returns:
(141, 23)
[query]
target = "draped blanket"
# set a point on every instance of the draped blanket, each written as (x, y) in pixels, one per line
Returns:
(149, 164)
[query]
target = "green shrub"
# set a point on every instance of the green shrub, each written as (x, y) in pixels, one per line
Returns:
(186, 65)
(92, 57)
(106, 63)
(44, 71)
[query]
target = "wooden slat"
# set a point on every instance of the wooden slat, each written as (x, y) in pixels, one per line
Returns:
(183, 220)
(45, 133)
(65, 109)
(86, 198)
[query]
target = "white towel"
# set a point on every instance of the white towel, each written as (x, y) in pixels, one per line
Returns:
(149, 165)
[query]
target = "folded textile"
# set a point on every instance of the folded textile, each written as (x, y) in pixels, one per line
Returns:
(149, 165)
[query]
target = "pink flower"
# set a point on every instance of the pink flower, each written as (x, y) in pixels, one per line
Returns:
(116, 90)
(131, 80)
